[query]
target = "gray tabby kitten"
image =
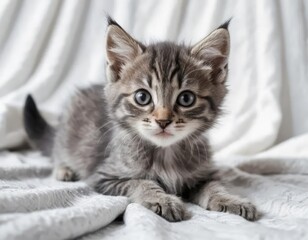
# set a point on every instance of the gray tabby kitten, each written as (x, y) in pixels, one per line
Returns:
(141, 135)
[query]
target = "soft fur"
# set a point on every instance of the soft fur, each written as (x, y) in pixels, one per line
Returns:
(154, 153)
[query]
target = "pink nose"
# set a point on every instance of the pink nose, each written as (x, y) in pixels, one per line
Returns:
(163, 123)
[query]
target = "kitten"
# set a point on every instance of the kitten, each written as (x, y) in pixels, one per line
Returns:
(141, 135)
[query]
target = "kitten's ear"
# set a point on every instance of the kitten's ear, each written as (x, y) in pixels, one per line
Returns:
(121, 49)
(214, 50)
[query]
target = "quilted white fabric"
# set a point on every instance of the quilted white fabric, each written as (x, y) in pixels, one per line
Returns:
(50, 47)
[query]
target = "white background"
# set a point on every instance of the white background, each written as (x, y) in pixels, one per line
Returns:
(48, 48)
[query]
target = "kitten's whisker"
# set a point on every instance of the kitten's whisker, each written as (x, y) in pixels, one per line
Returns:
(110, 121)
(110, 129)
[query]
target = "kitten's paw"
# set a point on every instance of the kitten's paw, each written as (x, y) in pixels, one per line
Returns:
(242, 208)
(169, 207)
(64, 174)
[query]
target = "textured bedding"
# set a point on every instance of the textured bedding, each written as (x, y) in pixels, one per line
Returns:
(34, 206)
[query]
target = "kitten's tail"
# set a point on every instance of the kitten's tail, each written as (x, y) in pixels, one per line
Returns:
(40, 133)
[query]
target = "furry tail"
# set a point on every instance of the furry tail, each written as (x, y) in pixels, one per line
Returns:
(40, 133)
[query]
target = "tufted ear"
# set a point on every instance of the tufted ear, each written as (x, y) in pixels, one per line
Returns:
(213, 51)
(121, 49)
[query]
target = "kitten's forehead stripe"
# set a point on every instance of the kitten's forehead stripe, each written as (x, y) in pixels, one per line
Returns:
(149, 80)
(159, 71)
(153, 62)
(174, 72)
(179, 82)
(152, 52)
(176, 68)
(155, 72)
(165, 62)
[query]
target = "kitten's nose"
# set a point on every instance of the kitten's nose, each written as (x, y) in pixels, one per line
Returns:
(163, 123)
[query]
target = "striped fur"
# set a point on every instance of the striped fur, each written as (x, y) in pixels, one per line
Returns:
(154, 153)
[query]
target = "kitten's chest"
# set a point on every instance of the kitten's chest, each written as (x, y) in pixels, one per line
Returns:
(172, 170)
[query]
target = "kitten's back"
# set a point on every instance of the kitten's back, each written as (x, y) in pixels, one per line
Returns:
(84, 131)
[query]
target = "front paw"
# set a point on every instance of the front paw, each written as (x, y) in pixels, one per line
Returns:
(168, 206)
(64, 174)
(242, 208)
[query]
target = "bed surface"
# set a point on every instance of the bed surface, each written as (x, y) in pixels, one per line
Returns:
(34, 206)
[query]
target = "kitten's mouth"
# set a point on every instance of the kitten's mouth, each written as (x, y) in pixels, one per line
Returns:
(163, 133)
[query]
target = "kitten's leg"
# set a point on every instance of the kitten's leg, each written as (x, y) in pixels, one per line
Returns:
(147, 193)
(213, 196)
(64, 173)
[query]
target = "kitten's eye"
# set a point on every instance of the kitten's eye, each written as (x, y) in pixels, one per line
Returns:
(142, 97)
(186, 99)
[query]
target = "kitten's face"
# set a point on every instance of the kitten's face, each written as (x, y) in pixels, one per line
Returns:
(164, 92)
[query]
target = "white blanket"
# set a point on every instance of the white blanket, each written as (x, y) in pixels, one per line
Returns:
(49, 47)
(34, 206)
